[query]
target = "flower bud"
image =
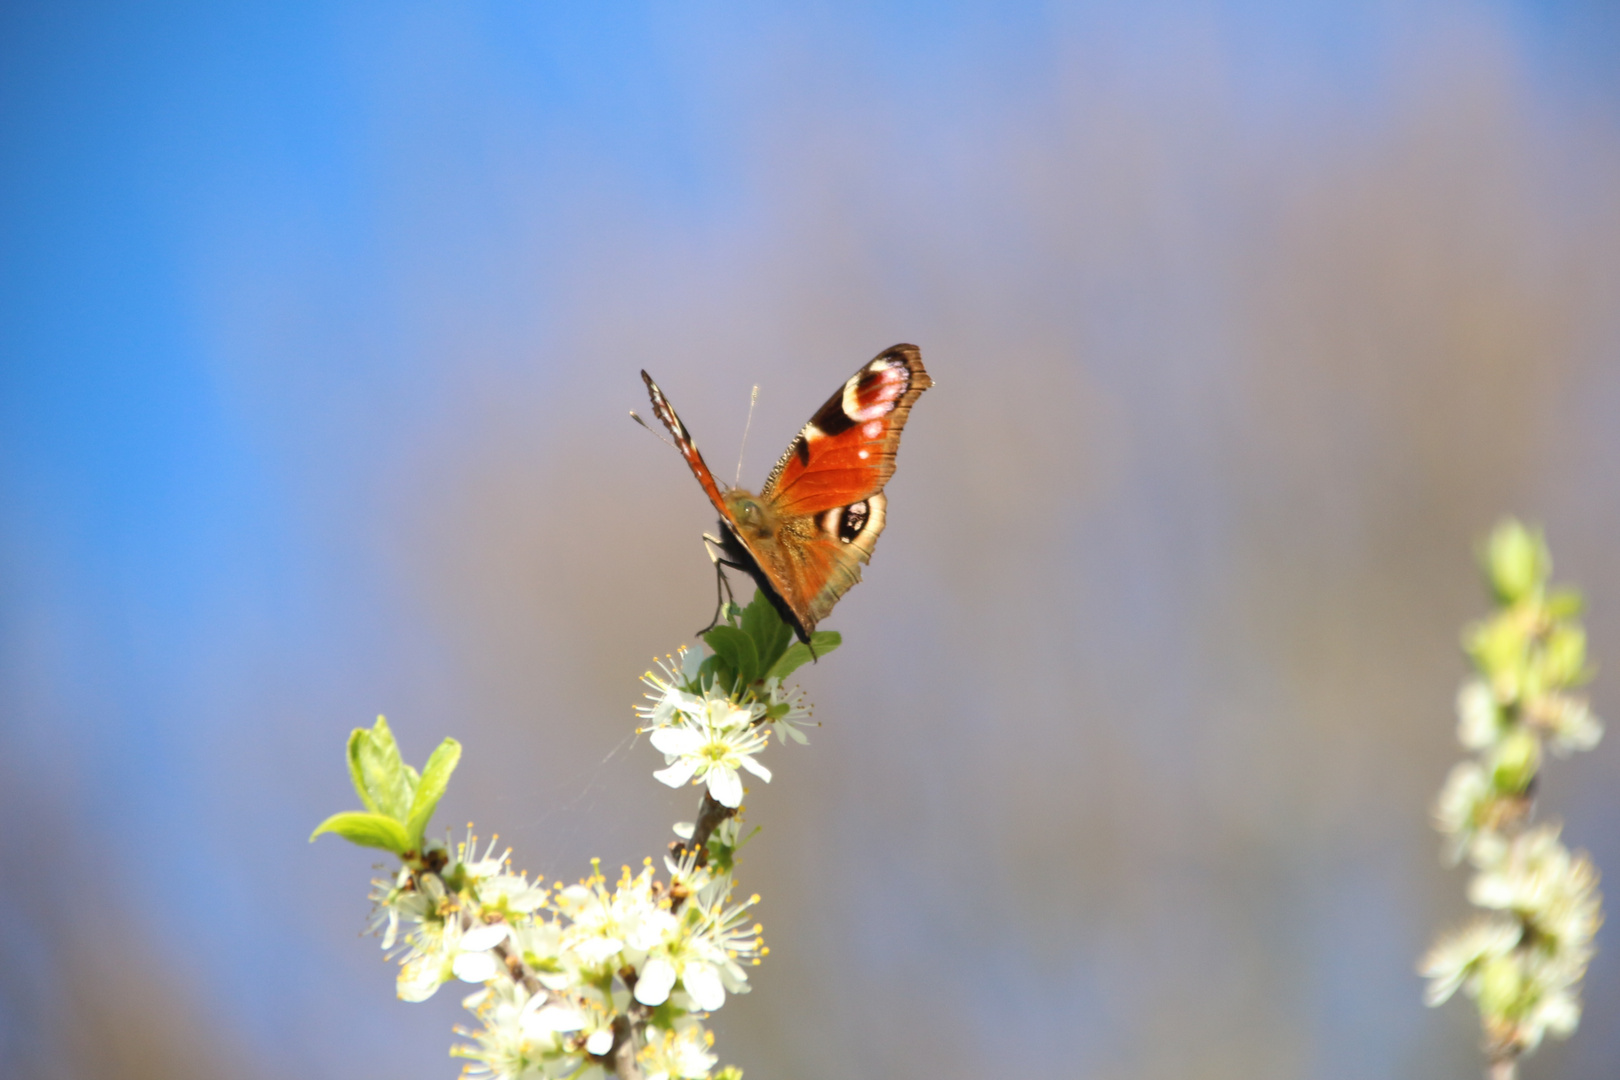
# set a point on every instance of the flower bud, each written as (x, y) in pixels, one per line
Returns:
(1516, 560)
(1515, 761)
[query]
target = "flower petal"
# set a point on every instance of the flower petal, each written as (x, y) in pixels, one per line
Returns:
(656, 981)
(555, 1018)
(677, 740)
(484, 937)
(702, 982)
(725, 786)
(475, 967)
(678, 773)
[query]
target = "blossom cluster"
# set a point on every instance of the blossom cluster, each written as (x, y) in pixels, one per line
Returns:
(566, 971)
(708, 734)
(1523, 959)
(594, 978)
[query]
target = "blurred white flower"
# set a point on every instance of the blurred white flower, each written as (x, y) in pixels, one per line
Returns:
(1457, 957)
(1558, 1014)
(1479, 720)
(1458, 810)
(1568, 721)
(679, 1055)
(1548, 887)
(507, 1047)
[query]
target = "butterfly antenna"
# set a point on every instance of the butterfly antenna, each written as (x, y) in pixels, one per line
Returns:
(649, 427)
(753, 399)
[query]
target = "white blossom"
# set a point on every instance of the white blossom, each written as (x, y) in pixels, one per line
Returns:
(1548, 887)
(787, 711)
(1479, 718)
(1456, 957)
(605, 924)
(679, 1055)
(1568, 721)
(711, 745)
(669, 694)
(1458, 809)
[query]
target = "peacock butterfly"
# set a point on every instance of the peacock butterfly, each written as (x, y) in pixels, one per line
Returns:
(804, 537)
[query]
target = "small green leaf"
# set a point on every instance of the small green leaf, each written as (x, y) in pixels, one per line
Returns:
(358, 738)
(737, 648)
(764, 624)
(798, 654)
(435, 778)
(384, 782)
(367, 830)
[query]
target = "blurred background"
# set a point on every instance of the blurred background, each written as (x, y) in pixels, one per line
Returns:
(319, 325)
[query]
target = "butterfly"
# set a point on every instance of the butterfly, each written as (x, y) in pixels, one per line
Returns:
(804, 537)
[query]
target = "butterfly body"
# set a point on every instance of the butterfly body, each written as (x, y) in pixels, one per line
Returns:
(815, 521)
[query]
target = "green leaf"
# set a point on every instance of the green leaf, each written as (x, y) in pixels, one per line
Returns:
(435, 778)
(385, 783)
(737, 649)
(714, 669)
(798, 654)
(367, 830)
(764, 624)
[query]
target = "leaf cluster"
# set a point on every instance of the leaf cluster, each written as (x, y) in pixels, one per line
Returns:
(399, 801)
(754, 644)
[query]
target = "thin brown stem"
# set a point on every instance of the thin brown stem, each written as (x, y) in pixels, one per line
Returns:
(626, 1034)
(710, 815)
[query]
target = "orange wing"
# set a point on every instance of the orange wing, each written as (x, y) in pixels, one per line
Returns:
(826, 492)
(846, 452)
(683, 442)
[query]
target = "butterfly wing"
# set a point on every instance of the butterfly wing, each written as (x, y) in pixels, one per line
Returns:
(826, 491)
(684, 443)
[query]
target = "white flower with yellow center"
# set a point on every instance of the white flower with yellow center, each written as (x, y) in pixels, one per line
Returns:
(679, 1055)
(605, 924)
(787, 711)
(1457, 958)
(711, 745)
(667, 696)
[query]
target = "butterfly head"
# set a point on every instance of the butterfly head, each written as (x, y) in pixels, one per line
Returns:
(752, 516)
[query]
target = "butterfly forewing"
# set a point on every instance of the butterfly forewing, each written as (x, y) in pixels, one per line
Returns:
(846, 452)
(684, 443)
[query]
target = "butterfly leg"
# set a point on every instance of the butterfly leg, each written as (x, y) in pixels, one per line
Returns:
(722, 586)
